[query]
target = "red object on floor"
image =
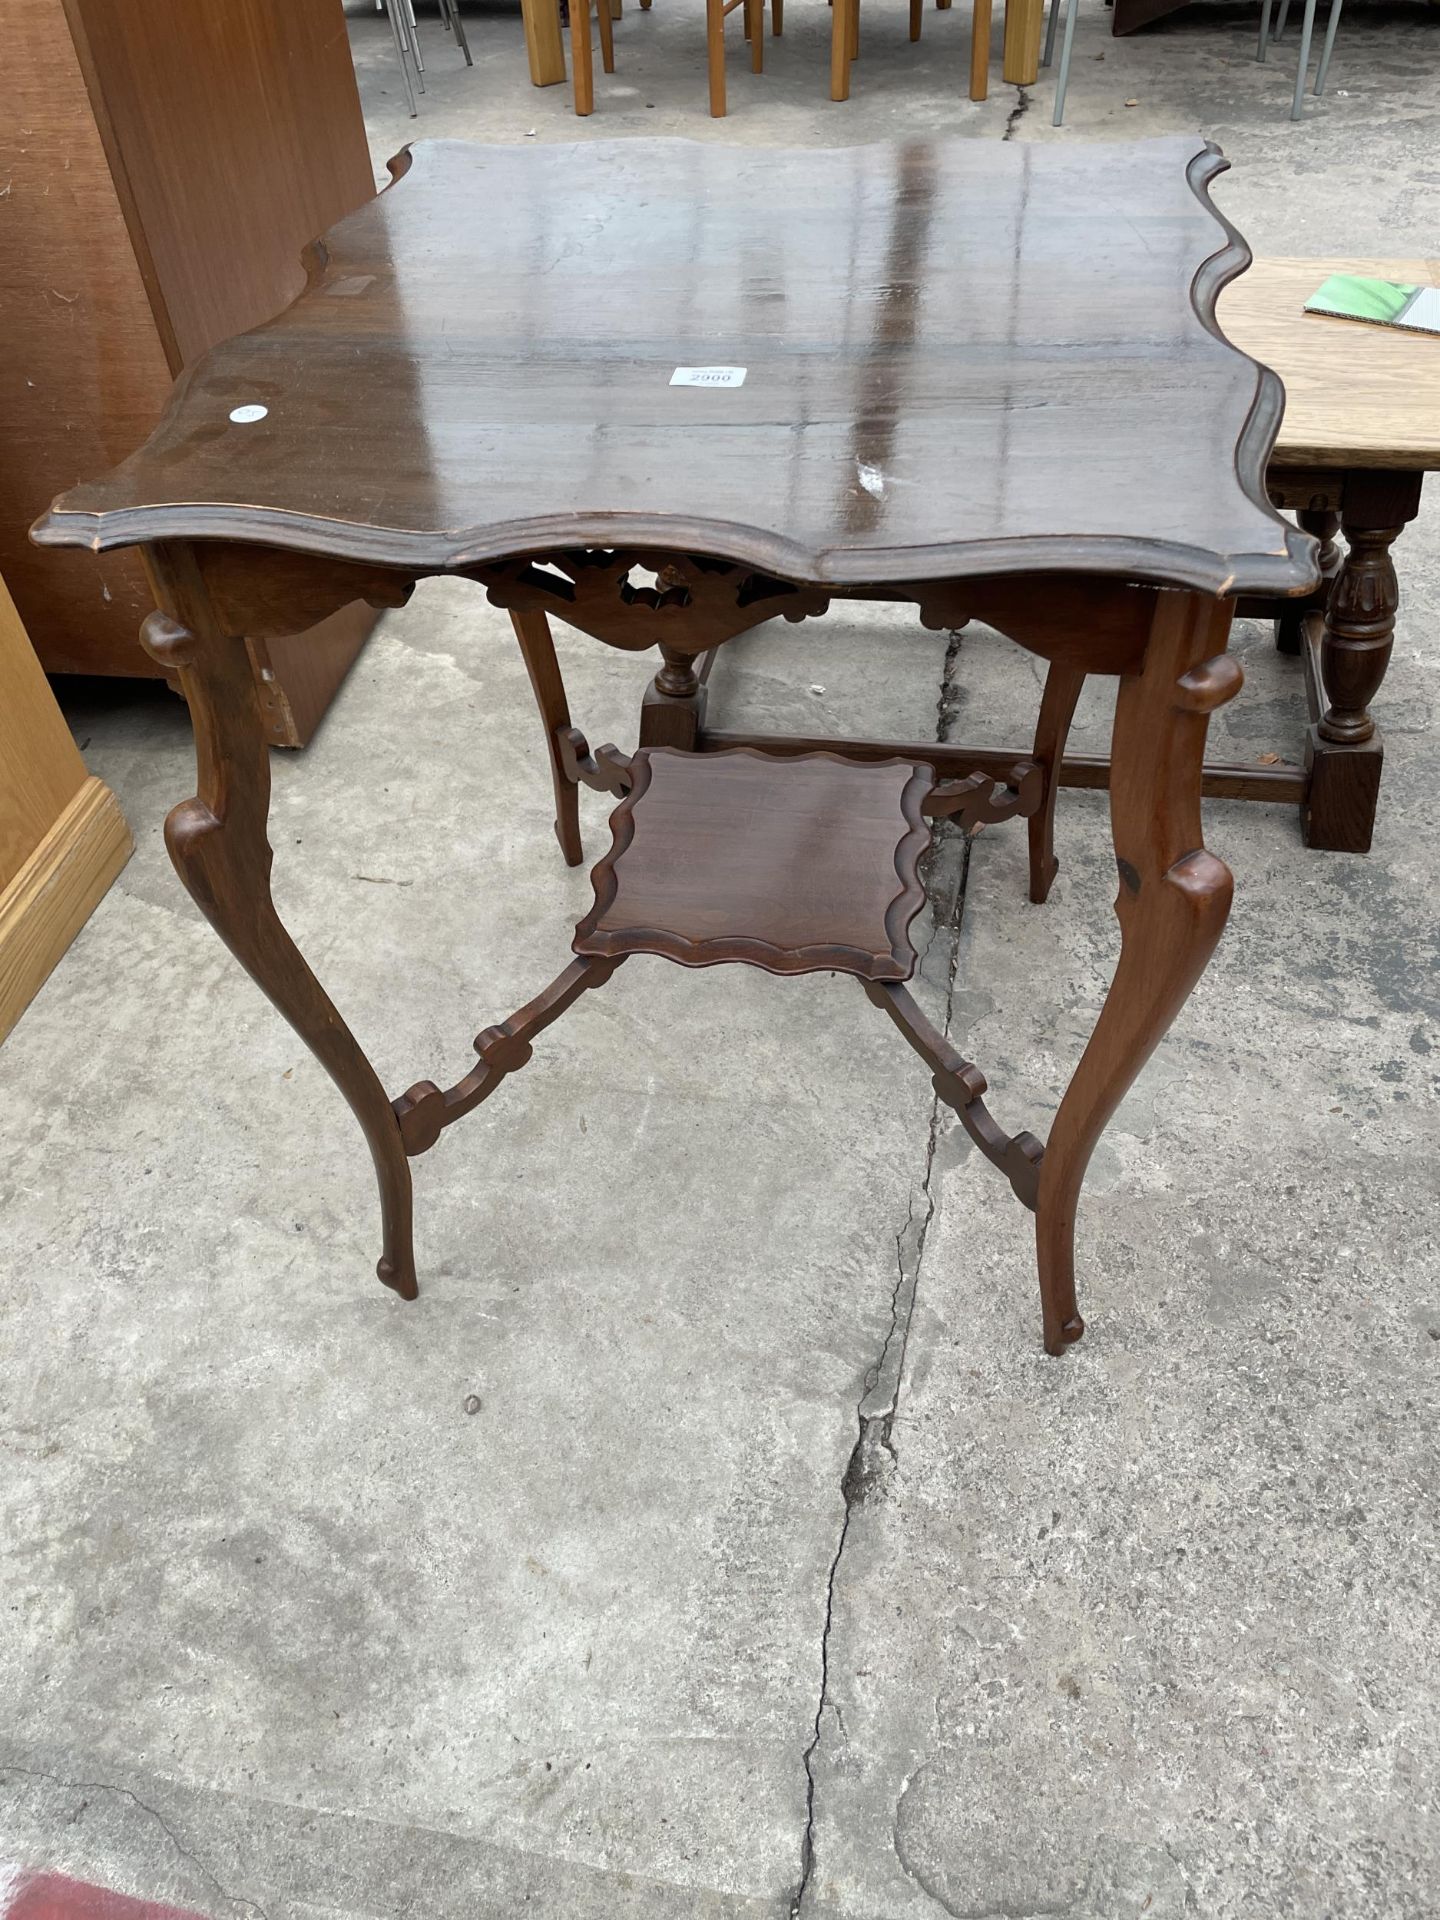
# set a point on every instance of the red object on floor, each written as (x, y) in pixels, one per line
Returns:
(50, 1896)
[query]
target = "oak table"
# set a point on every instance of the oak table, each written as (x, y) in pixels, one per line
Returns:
(943, 402)
(1361, 431)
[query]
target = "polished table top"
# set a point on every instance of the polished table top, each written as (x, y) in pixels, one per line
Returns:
(1355, 396)
(960, 359)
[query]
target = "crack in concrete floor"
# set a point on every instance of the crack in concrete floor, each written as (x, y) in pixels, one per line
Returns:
(873, 1457)
(127, 1793)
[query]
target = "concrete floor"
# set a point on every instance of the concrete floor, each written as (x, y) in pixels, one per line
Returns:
(713, 1537)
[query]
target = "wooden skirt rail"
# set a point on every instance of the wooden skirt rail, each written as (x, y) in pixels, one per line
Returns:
(1283, 782)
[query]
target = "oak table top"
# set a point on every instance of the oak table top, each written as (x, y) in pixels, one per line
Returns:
(1355, 395)
(960, 359)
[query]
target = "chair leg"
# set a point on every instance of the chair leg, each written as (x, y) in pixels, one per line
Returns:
(607, 34)
(1057, 709)
(777, 17)
(537, 650)
(581, 61)
(917, 15)
(839, 49)
(451, 10)
(402, 50)
(1264, 42)
(1282, 19)
(1071, 9)
(1302, 67)
(980, 50)
(1329, 47)
(755, 27)
(715, 49)
(1050, 25)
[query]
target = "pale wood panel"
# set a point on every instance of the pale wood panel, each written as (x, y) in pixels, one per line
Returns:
(40, 769)
(56, 891)
(62, 836)
(1355, 395)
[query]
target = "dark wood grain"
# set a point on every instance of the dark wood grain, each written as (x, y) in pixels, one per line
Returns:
(961, 1085)
(425, 1110)
(537, 650)
(219, 844)
(796, 866)
(517, 395)
(946, 403)
(1281, 782)
(1172, 905)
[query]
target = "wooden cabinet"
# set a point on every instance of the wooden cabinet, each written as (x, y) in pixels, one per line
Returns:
(161, 167)
(62, 837)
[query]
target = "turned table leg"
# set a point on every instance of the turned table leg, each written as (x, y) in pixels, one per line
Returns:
(219, 845)
(1344, 750)
(1172, 905)
(1324, 523)
(674, 703)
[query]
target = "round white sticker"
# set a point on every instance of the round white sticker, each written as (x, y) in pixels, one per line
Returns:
(243, 416)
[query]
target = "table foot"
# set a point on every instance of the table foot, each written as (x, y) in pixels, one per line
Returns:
(1347, 652)
(1173, 902)
(1342, 778)
(219, 846)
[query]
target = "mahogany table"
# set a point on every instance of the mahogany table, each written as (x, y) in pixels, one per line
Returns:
(983, 379)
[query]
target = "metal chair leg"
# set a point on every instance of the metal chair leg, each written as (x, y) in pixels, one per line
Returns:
(450, 16)
(391, 11)
(1050, 25)
(1281, 19)
(407, 15)
(1071, 9)
(1302, 66)
(1265, 15)
(1329, 47)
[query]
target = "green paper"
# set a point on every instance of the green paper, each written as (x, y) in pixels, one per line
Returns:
(1385, 303)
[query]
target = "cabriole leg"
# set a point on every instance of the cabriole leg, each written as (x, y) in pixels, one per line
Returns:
(219, 846)
(537, 649)
(1052, 730)
(1172, 905)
